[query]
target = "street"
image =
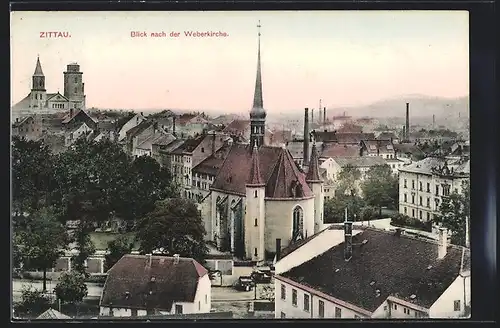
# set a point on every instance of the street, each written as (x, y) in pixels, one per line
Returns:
(94, 290)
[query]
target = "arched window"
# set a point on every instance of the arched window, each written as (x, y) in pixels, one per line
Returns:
(298, 223)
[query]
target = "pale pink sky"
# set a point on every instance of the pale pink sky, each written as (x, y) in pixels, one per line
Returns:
(346, 58)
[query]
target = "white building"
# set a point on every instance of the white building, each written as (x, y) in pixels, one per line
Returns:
(370, 273)
(140, 285)
(423, 184)
(81, 131)
(133, 121)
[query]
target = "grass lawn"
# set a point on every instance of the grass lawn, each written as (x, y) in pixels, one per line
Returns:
(101, 239)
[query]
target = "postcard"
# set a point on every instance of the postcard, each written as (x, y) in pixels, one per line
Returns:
(232, 165)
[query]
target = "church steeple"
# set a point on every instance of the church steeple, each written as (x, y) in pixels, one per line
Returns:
(38, 68)
(313, 171)
(38, 79)
(258, 113)
(255, 178)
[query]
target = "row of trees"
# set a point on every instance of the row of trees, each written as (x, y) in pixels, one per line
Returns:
(379, 188)
(93, 183)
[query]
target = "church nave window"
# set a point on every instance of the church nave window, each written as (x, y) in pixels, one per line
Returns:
(255, 222)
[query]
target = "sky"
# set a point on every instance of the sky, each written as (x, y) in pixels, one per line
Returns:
(345, 58)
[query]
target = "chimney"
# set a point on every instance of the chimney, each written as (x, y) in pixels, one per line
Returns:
(278, 249)
(173, 125)
(71, 112)
(404, 134)
(407, 129)
(433, 120)
(213, 142)
(347, 239)
(443, 243)
(324, 115)
(306, 137)
(176, 258)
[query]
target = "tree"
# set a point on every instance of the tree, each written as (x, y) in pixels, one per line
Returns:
(117, 248)
(71, 288)
(84, 246)
(381, 187)
(454, 214)
(334, 208)
(175, 226)
(31, 174)
(41, 241)
(347, 179)
(33, 301)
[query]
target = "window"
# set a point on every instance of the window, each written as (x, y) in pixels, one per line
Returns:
(428, 187)
(405, 210)
(428, 216)
(405, 310)
(338, 312)
(420, 186)
(298, 221)
(178, 309)
(412, 184)
(255, 251)
(76, 90)
(321, 309)
(395, 306)
(428, 202)
(283, 315)
(404, 184)
(456, 305)
(294, 297)
(437, 190)
(413, 199)
(406, 198)
(206, 299)
(255, 193)
(202, 149)
(255, 223)
(133, 312)
(420, 215)
(76, 80)
(306, 302)
(199, 305)
(420, 200)
(283, 292)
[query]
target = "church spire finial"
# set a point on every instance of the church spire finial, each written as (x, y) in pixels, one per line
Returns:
(38, 68)
(257, 99)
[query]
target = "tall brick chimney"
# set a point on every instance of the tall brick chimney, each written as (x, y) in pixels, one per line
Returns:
(278, 249)
(407, 126)
(324, 115)
(173, 125)
(306, 137)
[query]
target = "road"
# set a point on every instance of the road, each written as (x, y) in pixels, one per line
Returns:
(94, 290)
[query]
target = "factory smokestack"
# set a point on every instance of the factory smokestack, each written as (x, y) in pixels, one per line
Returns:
(433, 120)
(324, 115)
(173, 125)
(306, 137)
(407, 126)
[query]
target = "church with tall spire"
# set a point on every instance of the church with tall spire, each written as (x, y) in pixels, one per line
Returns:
(39, 100)
(260, 194)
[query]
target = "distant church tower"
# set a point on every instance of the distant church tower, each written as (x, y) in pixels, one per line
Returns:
(38, 94)
(258, 113)
(316, 184)
(74, 86)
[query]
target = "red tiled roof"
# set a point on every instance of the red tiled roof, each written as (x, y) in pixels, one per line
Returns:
(276, 166)
(213, 163)
(172, 282)
(237, 127)
(332, 149)
(313, 171)
(353, 138)
(255, 178)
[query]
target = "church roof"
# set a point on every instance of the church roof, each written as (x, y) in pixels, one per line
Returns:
(313, 171)
(276, 167)
(255, 178)
(38, 68)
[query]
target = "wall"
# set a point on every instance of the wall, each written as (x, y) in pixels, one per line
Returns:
(444, 306)
(255, 235)
(279, 221)
(297, 311)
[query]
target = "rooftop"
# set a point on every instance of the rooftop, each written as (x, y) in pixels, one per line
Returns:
(365, 161)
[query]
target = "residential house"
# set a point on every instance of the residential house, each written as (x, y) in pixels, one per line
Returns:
(296, 149)
(71, 135)
(76, 117)
(161, 144)
(423, 184)
(408, 152)
(459, 150)
(377, 147)
(387, 135)
(350, 127)
(238, 129)
(336, 150)
(138, 134)
(363, 164)
(166, 156)
(191, 153)
(51, 314)
(145, 148)
(353, 138)
(190, 125)
(140, 285)
(28, 127)
(128, 122)
(362, 272)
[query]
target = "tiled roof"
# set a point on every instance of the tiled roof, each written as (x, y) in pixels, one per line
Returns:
(398, 266)
(168, 281)
(173, 146)
(333, 149)
(23, 103)
(237, 127)
(296, 148)
(365, 161)
(374, 146)
(277, 167)
(408, 148)
(189, 145)
(387, 135)
(323, 136)
(69, 118)
(464, 168)
(164, 140)
(424, 166)
(138, 128)
(353, 138)
(213, 163)
(146, 144)
(52, 314)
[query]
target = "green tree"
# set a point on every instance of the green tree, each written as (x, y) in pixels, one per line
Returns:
(84, 246)
(175, 226)
(33, 302)
(454, 214)
(42, 241)
(117, 248)
(31, 175)
(347, 180)
(71, 288)
(381, 187)
(335, 208)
